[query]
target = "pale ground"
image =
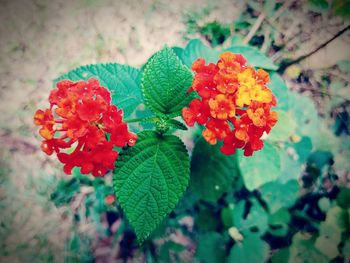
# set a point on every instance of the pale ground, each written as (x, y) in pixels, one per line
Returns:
(39, 40)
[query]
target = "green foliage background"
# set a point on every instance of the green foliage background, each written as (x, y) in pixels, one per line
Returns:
(271, 206)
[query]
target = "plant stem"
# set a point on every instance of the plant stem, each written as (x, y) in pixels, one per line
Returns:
(145, 119)
(287, 64)
(254, 28)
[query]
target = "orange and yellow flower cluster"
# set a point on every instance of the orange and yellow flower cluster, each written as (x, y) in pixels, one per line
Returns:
(234, 104)
(77, 124)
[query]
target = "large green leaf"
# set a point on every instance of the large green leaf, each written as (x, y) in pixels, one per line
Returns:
(280, 90)
(254, 57)
(150, 178)
(165, 82)
(278, 195)
(196, 49)
(121, 80)
(262, 167)
(212, 172)
(284, 128)
(252, 249)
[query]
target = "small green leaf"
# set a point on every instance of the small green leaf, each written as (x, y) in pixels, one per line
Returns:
(254, 57)
(212, 172)
(252, 250)
(176, 124)
(165, 82)
(253, 223)
(343, 198)
(121, 80)
(150, 178)
(264, 166)
(278, 195)
(278, 222)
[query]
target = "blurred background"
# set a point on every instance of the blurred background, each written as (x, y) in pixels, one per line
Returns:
(40, 40)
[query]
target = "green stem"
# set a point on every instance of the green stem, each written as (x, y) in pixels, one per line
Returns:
(146, 119)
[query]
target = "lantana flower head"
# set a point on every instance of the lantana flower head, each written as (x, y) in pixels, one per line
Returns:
(82, 127)
(234, 103)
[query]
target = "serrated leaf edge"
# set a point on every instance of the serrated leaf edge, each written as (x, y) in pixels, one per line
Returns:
(145, 71)
(163, 216)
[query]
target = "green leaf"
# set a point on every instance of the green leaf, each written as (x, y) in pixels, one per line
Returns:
(227, 216)
(318, 5)
(252, 250)
(344, 65)
(150, 178)
(206, 220)
(196, 49)
(280, 256)
(343, 198)
(166, 249)
(264, 166)
(346, 250)
(253, 223)
(211, 248)
(121, 80)
(177, 124)
(290, 168)
(339, 93)
(165, 82)
(284, 128)
(341, 8)
(278, 195)
(254, 57)
(303, 250)
(212, 172)
(308, 122)
(278, 222)
(280, 90)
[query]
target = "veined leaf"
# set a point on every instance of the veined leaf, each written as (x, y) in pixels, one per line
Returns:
(121, 80)
(150, 178)
(165, 82)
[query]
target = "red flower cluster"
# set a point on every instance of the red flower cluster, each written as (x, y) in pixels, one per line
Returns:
(234, 104)
(77, 124)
